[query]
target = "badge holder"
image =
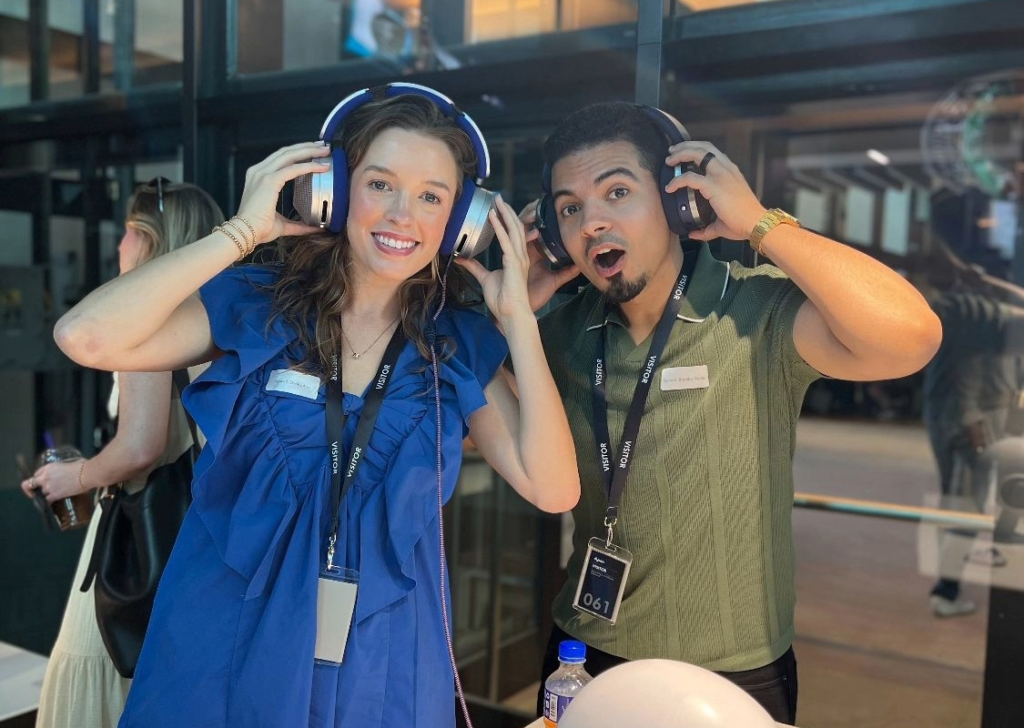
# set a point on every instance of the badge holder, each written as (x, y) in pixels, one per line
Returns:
(335, 604)
(603, 581)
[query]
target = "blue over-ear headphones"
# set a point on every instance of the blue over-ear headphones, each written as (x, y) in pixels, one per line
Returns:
(685, 209)
(322, 198)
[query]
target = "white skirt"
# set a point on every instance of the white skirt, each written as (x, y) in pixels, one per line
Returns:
(81, 688)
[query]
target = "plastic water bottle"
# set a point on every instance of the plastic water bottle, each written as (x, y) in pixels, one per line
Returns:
(563, 684)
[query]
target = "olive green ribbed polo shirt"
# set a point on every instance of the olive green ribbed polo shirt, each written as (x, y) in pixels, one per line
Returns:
(706, 511)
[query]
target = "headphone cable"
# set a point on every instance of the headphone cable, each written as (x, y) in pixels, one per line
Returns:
(431, 335)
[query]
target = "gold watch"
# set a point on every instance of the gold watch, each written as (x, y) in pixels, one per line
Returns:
(768, 221)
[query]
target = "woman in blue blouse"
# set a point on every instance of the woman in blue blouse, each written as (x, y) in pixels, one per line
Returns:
(234, 630)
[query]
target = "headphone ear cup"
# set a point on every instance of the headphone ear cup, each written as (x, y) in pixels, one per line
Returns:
(338, 203)
(686, 209)
(675, 204)
(453, 230)
(704, 209)
(550, 236)
(469, 230)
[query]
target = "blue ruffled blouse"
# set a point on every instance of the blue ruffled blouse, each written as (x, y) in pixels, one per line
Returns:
(232, 634)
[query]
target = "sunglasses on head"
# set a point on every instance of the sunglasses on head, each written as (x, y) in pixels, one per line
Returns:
(158, 183)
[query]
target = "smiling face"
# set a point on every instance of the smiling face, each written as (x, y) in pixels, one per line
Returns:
(612, 222)
(401, 195)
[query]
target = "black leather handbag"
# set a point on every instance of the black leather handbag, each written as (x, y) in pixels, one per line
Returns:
(134, 539)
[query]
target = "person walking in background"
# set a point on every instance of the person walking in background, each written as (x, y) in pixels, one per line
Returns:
(81, 688)
(972, 387)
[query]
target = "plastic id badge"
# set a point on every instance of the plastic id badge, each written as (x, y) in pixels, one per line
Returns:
(603, 581)
(335, 604)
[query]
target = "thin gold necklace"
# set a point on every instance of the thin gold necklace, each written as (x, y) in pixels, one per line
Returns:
(354, 355)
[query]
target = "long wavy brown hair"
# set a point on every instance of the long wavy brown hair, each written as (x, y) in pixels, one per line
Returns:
(314, 287)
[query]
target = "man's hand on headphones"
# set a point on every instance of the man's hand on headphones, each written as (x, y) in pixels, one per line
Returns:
(264, 182)
(542, 282)
(724, 187)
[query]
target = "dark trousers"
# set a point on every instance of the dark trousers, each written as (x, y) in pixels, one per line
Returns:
(773, 686)
(958, 459)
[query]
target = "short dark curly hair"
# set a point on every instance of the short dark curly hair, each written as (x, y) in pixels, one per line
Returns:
(610, 121)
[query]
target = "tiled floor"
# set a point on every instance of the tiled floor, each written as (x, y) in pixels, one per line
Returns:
(871, 654)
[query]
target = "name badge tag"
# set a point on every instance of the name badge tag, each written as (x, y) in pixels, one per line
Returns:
(335, 604)
(603, 581)
(685, 378)
(290, 381)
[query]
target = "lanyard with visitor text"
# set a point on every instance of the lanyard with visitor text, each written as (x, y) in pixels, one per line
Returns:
(336, 426)
(615, 477)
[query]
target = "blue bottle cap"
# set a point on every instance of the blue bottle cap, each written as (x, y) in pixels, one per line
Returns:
(572, 651)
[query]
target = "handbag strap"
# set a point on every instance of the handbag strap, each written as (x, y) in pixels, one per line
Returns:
(108, 498)
(181, 380)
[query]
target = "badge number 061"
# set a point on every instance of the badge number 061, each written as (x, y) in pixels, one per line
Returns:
(603, 581)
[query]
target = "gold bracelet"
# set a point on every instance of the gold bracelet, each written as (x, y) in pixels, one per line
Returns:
(241, 250)
(250, 229)
(81, 469)
(249, 247)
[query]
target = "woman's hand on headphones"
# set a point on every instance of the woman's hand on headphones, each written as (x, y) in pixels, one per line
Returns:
(542, 282)
(264, 182)
(724, 187)
(505, 290)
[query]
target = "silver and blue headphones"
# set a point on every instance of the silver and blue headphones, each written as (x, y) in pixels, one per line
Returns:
(685, 209)
(322, 198)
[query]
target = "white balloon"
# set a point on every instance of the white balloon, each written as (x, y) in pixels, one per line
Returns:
(663, 694)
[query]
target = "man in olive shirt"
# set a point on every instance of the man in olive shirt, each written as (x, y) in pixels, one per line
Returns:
(706, 506)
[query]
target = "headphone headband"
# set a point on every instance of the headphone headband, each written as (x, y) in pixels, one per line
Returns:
(667, 123)
(322, 198)
(364, 96)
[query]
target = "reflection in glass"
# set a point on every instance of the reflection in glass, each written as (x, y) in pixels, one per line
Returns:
(66, 46)
(14, 58)
(973, 389)
(158, 41)
(145, 35)
(396, 32)
(496, 550)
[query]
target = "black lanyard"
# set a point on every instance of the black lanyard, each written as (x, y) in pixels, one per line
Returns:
(336, 427)
(615, 476)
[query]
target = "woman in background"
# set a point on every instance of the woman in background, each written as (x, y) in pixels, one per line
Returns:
(81, 688)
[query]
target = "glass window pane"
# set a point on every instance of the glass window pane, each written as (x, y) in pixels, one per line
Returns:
(896, 221)
(279, 35)
(158, 41)
(500, 19)
(863, 587)
(17, 245)
(14, 58)
(291, 34)
(108, 10)
(156, 34)
(577, 14)
(65, 20)
(497, 19)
